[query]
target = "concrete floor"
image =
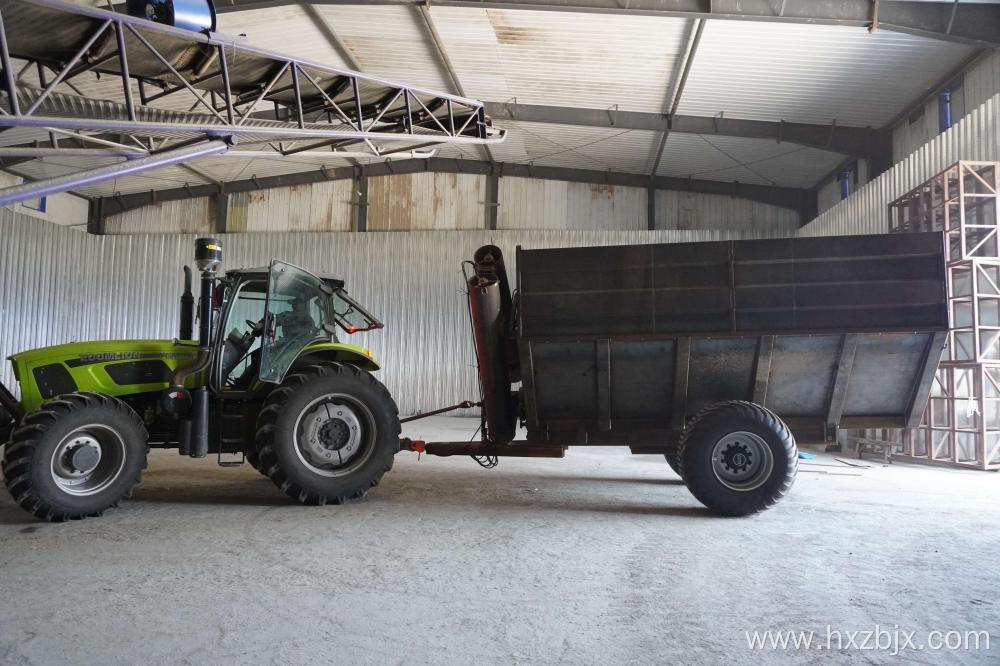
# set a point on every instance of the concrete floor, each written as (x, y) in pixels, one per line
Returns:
(598, 558)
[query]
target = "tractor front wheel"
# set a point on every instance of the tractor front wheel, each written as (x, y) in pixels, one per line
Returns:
(76, 456)
(328, 434)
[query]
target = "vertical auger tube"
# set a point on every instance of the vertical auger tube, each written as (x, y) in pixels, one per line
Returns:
(490, 308)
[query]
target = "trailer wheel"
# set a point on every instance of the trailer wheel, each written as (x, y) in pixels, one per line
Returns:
(674, 460)
(75, 457)
(328, 434)
(738, 458)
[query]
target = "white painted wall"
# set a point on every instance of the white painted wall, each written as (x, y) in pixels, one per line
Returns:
(531, 203)
(696, 210)
(64, 209)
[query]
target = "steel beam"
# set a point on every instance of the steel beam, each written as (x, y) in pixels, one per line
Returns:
(331, 37)
(220, 207)
(47, 186)
(492, 200)
(976, 24)
(360, 175)
(449, 68)
(855, 141)
(674, 97)
(801, 200)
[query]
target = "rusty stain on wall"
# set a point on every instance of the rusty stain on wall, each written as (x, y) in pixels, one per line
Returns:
(426, 201)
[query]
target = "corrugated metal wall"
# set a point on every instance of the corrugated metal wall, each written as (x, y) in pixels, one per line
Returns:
(695, 210)
(325, 206)
(57, 285)
(532, 203)
(420, 201)
(975, 137)
(978, 85)
(185, 216)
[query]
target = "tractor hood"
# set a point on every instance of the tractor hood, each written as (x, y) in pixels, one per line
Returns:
(105, 351)
(112, 367)
(127, 367)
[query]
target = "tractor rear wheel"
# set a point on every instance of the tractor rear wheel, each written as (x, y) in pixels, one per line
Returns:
(738, 458)
(76, 456)
(328, 434)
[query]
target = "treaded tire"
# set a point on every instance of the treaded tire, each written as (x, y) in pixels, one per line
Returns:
(253, 457)
(28, 456)
(696, 448)
(674, 460)
(276, 433)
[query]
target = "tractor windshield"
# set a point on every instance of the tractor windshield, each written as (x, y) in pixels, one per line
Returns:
(297, 314)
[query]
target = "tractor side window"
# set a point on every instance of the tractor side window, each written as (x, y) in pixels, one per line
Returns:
(350, 316)
(298, 313)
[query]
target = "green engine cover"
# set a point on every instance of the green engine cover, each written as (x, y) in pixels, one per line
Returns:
(112, 367)
(128, 367)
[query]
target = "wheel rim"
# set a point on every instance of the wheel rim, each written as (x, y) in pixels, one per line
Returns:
(88, 460)
(334, 435)
(742, 461)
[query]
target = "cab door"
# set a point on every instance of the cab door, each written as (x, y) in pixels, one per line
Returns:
(297, 313)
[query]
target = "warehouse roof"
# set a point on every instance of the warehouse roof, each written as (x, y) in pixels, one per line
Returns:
(656, 89)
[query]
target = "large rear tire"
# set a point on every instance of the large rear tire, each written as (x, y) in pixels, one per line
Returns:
(738, 458)
(328, 434)
(75, 457)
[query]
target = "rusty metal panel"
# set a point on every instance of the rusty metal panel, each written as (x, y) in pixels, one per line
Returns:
(324, 206)
(427, 201)
(185, 216)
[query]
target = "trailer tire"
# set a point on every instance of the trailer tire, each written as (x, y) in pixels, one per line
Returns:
(322, 410)
(738, 458)
(75, 457)
(674, 460)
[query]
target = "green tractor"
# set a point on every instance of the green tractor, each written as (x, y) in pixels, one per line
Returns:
(266, 381)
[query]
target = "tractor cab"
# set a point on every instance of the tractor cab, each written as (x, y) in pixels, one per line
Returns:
(267, 317)
(255, 326)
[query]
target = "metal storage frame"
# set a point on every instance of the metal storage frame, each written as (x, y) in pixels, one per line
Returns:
(961, 423)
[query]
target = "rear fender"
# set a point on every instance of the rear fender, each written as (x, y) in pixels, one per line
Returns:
(339, 352)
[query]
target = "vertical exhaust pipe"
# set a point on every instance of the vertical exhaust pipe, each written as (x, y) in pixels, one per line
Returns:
(187, 309)
(208, 255)
(490, 310)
